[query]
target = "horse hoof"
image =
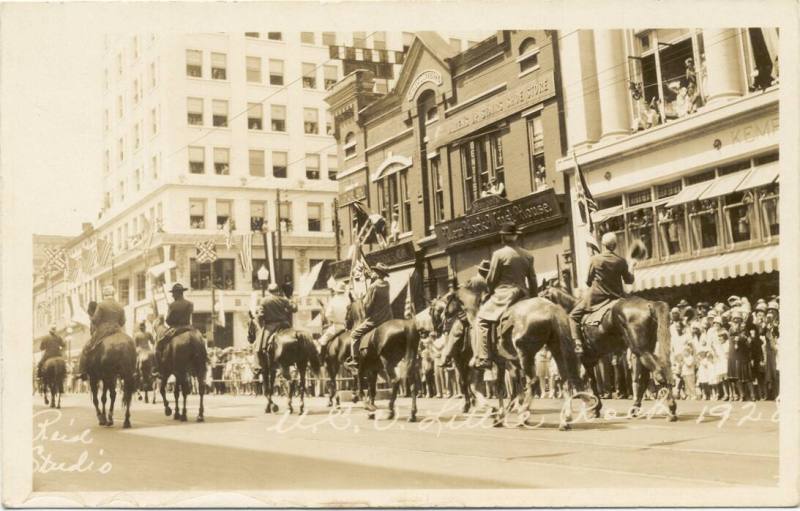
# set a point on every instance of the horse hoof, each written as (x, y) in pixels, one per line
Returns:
(177, 416)
(391, 415)
(330, 404)
(167, 411)
(140, 398)
(596, 414)
(101, 421)
(126, 425)
(266, 409)
(673, 418)
(200, 418)
(183, 418)
(291, 410)
(413, 418)
(564, 427)
(635, 411)
(370, 416)
(110, 423)
(274, 408)
(52, 405)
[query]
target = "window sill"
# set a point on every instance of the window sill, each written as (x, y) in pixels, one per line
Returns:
(528, 71)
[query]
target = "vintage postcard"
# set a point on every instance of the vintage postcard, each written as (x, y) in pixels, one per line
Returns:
(384, 254)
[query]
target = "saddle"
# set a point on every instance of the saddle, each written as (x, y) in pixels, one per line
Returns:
(595, 316)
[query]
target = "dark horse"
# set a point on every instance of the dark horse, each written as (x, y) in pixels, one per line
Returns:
(333, 356)
(54, 371)
(184, 356)
(633, 323)
(145, 361)
(289, 348)
(390, 349)
(534, 323)
(114, 357)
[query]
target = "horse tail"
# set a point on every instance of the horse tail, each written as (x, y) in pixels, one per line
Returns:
(659, 314)
(412, 346)
(560, 328)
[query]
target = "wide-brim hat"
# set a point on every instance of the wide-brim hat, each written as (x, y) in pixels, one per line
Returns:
(683, 303)
(761, 307)
(773, 305)
(381, 269)
(509, 228)
(273, 288)
(734, 299)
(485, 265)
(178, 288)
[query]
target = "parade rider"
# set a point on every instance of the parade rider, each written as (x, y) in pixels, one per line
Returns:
(335, 313)
(377, 309)
(275, 314)
(52, 345)
(143, 339)
(179, 320)
(108, 318)
(607, 272)
(511, 278)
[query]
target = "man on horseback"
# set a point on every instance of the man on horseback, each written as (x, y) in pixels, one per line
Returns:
(179, 320)
(335, 314)
(108, 319)
(143, 339)
(511, 278)
(52, 344)
(607, 272)
(276, 314)
(377, 309)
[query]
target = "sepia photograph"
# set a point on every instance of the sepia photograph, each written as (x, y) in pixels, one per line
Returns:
(361, 261)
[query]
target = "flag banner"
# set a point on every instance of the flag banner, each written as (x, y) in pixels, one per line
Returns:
(246, 253)
(586, 206)
(206, 252)
(371, 226)
(409, 312)
(56, 259)
(271, 256)
(228, 231)
(87, 260)
(307, 281)
(220, 310)
(103, 252)
(78, 313)
(71, 270)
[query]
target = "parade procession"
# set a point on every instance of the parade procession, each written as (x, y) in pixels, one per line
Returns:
(497, 259)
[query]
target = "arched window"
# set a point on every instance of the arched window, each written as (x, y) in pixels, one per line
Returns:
(528, 55)
(427, 106)
(394, 197)
(527, 45)
(350, 145)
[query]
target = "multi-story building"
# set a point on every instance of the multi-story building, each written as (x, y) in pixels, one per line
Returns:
(676, 132)
(464, 141)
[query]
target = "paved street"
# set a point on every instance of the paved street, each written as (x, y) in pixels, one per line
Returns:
(239, 447)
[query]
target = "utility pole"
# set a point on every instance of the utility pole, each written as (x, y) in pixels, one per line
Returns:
(279, 257)
(213, 319)
(336, 227)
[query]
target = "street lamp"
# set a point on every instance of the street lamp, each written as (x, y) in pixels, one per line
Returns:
(263, 277)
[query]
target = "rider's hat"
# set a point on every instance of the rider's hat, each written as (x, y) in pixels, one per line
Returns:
(484, 266)
(52, 329)
(683, 303)
(273, 288)
(178, 288)
(381, 269)
(509, 228)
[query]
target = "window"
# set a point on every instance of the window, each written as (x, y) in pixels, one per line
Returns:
(312, 166)
(223, 213)
(137, 141)
(254, 69)
(279, 163)
(137, 179)
(197, 160)
(431, 114)
(120, 109)
(220, 112)
(671, 230)
(314, 217)
(762, 57)
(311, 121)
(394, 201)
(739, 212)
(257, 162)
(360, 39)
(219, 66)
(153, 79)
(285, 216)
(528, 55)
(333, 166)
(194, 63)
(258, 211)
(328, 123)
(253, 35)
(197, 214)
(639, 197)
(194, 109)
(350, 145)
(668, 189)
(536, 152)
(275, 72)
(224, 274)
(124, 291)
(221, 161)
(437, 189)
(275, 36)
(379, 40)
(703, 217)
(135, 91)
(768, 203)
(699, 178)
(278, 117)
(476, 170)
(153, 122)
(329, 38)
(455, 45)
(121, 149)
(307, 37)
(255, 114)
(330, 75)
(154, 166)
(640, 226)
(309, 76)
(141, 285)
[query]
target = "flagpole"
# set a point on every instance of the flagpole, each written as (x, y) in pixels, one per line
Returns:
(213, 323)
(336, 227)
(278, 268)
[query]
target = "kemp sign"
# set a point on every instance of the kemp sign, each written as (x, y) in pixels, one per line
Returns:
(539, 209)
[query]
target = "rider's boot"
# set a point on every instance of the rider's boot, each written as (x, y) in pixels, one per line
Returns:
(352, 361)
(482, 359)
(577, 336)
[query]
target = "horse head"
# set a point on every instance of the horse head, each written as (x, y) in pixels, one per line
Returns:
(556, 294)
(355, 312)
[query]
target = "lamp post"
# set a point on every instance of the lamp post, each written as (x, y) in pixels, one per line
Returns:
(263, 277)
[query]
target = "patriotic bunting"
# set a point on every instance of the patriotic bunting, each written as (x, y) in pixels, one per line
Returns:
(246, 253)
(206, 252)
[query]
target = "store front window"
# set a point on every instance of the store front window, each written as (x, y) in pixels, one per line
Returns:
(483, 167)
(394, 201)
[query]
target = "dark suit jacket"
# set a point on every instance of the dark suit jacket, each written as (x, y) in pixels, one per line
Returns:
(511, 278)
(108, 312)
(51, 345)
(607, 272)
(377, 305)
(180, 313)
(277, 309)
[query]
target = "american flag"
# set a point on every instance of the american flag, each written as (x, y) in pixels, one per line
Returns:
(228, 230)
(246, 253)
(103, 249)
(206, 252)
(586, 206)
(56, 259)
(371, 226)
(88, 257)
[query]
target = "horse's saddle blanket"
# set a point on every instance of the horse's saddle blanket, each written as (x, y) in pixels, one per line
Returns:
(366, 340)
(596, 314)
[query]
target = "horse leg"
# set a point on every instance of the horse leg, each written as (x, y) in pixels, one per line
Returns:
(201, 410)
(643, 382)
(186, 388)
(302, 371)
(176, 392)
(412, 374)
(593, 383)
(52, 395)
(103, 401)
(163, 391)
(129, 384)
(101, 418)
(394, 381)
(112, 392)
(332, 386)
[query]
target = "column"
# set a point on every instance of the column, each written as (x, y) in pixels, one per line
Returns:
(612, 83)
(723, 64)
(580, 90)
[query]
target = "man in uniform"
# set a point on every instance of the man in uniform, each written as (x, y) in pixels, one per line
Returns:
(335, 314)
(607, 272)
(275, 314)
(51, 345)
(377, 308)
(108, 318)
(179, 318)
(142, 338)
(511, 278)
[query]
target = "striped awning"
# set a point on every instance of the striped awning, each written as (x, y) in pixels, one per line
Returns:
(760, 176)
(688, 194)
(708, 269)
(605, 214)
(723, 185)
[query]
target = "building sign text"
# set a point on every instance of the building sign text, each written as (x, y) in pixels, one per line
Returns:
(430, 75)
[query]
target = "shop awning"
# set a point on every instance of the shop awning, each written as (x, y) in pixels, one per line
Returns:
(605, 214)
(723, 185)
(688, 194)
(708, 269)
(397, 281)
(760, 176)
